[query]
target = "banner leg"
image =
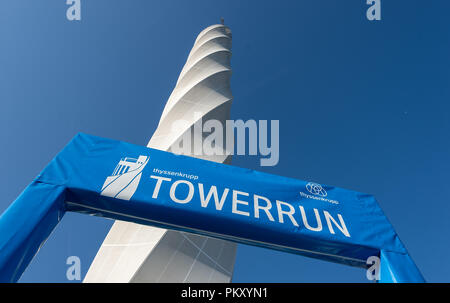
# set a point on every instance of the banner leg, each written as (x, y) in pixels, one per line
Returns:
(25, 226)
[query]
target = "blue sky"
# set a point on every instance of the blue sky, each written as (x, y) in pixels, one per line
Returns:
(362, 105)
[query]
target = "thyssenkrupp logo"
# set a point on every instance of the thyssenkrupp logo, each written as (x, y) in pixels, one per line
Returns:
(316, 189)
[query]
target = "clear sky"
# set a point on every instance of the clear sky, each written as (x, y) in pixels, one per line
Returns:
(362, 105)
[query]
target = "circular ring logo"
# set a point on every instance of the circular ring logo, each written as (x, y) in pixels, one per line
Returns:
(316, 189)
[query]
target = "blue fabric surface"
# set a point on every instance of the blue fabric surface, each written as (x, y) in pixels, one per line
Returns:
(118, 180)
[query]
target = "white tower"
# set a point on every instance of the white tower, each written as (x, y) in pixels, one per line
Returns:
(137, 253)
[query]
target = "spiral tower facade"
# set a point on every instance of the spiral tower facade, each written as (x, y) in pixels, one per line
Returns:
(138, 253)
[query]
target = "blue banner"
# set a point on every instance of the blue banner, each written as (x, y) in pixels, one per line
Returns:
(118, 180)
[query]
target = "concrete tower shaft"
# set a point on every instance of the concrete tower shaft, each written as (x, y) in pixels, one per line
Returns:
(137, 253)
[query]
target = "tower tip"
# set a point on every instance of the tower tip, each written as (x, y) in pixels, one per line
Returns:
(222, 21)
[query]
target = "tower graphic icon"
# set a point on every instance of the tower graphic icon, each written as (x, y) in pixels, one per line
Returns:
(125, 178)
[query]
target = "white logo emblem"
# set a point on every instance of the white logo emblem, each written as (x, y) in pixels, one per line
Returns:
(316, 189)
(125, 178)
